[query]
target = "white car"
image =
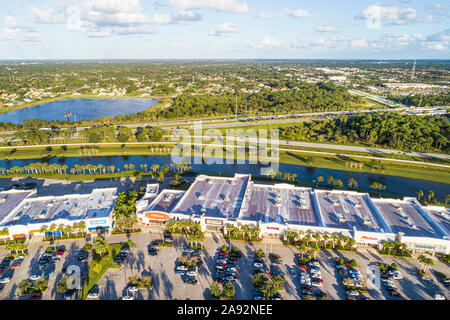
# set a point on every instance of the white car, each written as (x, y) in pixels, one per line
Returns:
(352, 293)
(5, 280)
(191, 273)
(293, 273)
(182, 268)
(35, 277)
(397, 275)
(314, 263)
(439, 297)
(92, 295)
(133, 289)
(127, 298)
(316, 284)
(258, 265)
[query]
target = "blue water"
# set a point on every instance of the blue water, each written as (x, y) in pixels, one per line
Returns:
(394, 185)
(80, 108)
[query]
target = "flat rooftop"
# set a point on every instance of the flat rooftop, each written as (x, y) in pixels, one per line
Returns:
(404, 216)
(45, 210)
(165, 201)
(280, 204)
(9, 200)
(440, 216)
(346, 210)
(214, 197)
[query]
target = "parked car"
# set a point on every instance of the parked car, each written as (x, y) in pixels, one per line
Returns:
(168, 238)
(132, 288)
(5, 280)
(293, 273)
(127, 297)
(153, 251)
(258, 265)
(191, 273)
(303, 266)
(35, 277)
(36, 296)
(92, 295)
(83, 255)
(352, 293)
(394, 293)
(439, 297)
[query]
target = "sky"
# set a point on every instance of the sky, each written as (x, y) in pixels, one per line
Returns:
(224, 29)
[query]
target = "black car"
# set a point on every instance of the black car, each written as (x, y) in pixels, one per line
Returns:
(152, 251)
(191, 280)
(168, 238)
(321, 294)
(306, 292)
(83, 255)
(276, 296)
(389, 288)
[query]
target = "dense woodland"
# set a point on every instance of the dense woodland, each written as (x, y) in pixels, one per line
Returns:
(424, 100)
(306, 97)
(405, 132)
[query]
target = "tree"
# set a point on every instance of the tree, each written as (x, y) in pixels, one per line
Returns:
(419, 194)
(97, 267)
(62, 286)
(215, 290)
(229, 291)
(430, 195)
(319, 180)
(101, 246)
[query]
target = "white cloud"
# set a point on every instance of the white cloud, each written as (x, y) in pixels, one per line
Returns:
(326, 29)
(266, 43)
(299, 13)
(224, 29)
(394, 15)
(48, 16)
(264, 15)
(218, 5)
(18, 30)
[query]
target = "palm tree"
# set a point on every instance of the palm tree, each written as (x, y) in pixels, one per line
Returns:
(100, 246)
(317, 236)
(303, 249)
(430, 194)
(326, 237)
(419, 194)
(319, 180)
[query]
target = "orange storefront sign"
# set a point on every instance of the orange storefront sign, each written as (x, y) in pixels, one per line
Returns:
(157, 216)
(20, 235)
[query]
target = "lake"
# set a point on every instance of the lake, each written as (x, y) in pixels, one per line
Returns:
(394, 185)
(80, 108)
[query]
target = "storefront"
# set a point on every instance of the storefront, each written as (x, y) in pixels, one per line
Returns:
(155, 218)
(272, 230)
(214, 225)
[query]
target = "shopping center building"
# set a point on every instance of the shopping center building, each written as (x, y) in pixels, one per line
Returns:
(214, 202)
(23, 214)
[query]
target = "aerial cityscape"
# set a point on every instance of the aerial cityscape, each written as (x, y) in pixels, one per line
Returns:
(224, 150)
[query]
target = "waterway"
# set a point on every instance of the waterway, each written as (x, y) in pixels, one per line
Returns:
(394, 185)
(80, 109)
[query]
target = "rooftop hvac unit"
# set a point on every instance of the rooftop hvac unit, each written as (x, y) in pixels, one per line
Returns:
(357, 205)
(202, 210)
(413, 226)
(201, 197)
(336, 203)
(210, 181)
(342, 220)
(278, 204)
(367, 221)
(226, 200)
(3, 199)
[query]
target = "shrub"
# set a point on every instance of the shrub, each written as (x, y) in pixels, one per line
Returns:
(260, 253)
(394, 266)
(353, 263)
(341, 261)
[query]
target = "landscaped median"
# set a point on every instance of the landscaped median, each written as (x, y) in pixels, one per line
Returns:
(99, 266)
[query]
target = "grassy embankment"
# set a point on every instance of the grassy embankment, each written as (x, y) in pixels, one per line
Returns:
(415, 171)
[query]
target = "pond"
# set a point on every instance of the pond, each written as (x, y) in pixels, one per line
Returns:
(394, 185)
(80, 109)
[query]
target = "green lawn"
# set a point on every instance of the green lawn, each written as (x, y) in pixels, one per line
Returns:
(107, 262)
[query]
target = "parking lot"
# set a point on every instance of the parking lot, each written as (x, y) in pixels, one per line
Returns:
(168, 285)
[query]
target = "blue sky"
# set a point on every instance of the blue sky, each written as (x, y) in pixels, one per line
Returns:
(221, 29)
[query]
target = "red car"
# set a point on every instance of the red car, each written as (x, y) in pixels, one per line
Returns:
(352, 298)
(59, 253)
(223, 254)
(36, 296)
(317, 280)
(307, 287)
(303, 266)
